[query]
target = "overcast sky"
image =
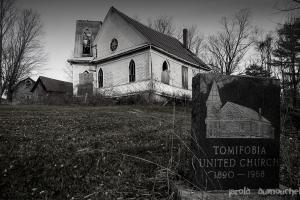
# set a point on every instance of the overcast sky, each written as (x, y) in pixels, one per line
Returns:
(59, 17)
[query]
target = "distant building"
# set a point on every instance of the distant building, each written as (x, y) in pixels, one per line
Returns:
(125, 57)
(233, 120)
(48, 90)
(22, 91)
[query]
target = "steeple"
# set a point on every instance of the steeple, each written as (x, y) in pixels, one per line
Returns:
(214, 95)
(213, 102)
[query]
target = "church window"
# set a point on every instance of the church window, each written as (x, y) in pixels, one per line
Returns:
(100, 78)
(113, 44)
(28, 83)
(184, 71)
(165, 66)
(131, 71)
(165, 77)
(86, 42)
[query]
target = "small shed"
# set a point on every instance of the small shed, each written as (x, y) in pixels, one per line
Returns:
(22, 91)
(52, 91)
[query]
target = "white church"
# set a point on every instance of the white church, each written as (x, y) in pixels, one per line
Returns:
(121, 57)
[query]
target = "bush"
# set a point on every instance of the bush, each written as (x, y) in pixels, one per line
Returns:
(289, 150)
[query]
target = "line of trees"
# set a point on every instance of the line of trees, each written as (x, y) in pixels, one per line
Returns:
(286, 57)
(20, 46)
(290, 5)
(279, 57)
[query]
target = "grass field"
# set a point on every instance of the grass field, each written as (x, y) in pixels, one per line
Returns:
(119, 152)
(111, 152)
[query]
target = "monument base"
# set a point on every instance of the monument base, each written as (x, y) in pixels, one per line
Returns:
(183, 192)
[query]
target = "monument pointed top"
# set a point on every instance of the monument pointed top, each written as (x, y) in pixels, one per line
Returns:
(214, 95)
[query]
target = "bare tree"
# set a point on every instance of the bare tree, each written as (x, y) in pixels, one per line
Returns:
(228, 47)
(195, 40)
(289, 5)
(23, 51)
(136, 17)
(287, 49)
(163, 24)
(68, 70)
(264, 47)
(7, 17)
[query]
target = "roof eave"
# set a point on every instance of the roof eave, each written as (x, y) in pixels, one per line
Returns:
(79, 60)
(200, 66)
(138, 49)
(36, 84)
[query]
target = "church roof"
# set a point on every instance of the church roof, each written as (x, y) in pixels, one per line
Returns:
(230, 110)
(21, 81)
(167, 43)
(242, 112)
(53, 85)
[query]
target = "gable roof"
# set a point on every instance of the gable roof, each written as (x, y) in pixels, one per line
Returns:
(53, 85)
(28, 78)
(167, 43)
(243, 112)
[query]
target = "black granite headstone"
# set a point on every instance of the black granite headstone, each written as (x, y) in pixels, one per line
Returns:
(236, 131)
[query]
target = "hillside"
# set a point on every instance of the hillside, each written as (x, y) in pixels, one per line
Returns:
(111, 152)
(118, 152)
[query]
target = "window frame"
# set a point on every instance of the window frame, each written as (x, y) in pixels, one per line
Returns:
(132, 77)
(185, 77)
(100, 78)
(114, 43)
(165, 73)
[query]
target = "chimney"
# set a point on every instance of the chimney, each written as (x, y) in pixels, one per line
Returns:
(185, 37)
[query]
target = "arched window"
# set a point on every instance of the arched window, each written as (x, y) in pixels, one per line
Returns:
(131, 71)
(100, 78)
(165, 77)
(165, 66)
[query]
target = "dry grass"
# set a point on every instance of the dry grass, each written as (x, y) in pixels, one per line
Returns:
(108, 152)
(119, 152)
